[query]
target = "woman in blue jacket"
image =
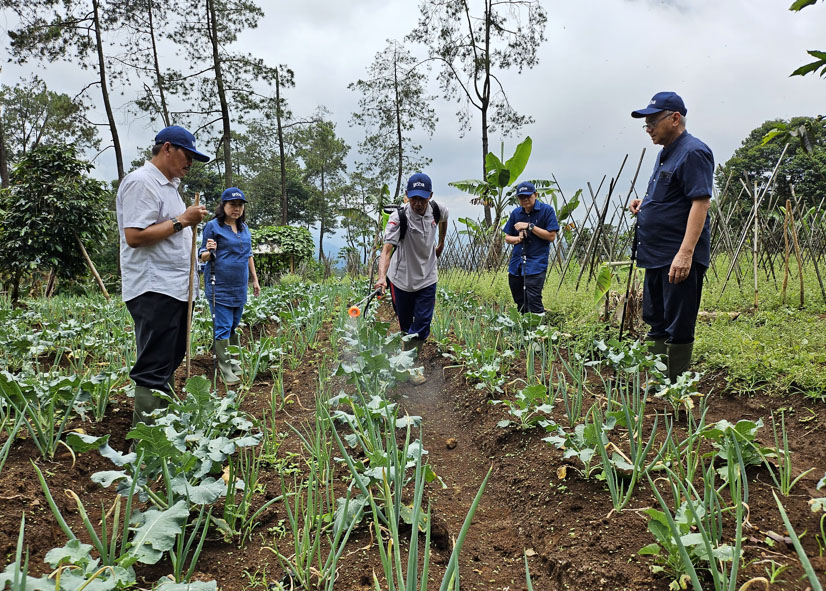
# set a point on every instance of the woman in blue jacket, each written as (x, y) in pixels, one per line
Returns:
(227, 251)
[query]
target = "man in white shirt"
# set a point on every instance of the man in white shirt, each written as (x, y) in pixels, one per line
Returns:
(155, 228)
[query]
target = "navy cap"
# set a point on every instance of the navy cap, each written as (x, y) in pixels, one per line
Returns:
(662, 101)
(419, 185)
(525, 188)
(233, 193)
(180, 137)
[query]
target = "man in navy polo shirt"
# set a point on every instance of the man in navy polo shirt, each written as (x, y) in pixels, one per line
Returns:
(530, 229)
(673, 230)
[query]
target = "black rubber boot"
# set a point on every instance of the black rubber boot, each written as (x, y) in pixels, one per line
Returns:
(679, 358)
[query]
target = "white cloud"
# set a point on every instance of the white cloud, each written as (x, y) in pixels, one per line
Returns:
(729, 59)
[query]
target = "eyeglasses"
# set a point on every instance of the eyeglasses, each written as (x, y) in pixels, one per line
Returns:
(651, 125)
(186, 152)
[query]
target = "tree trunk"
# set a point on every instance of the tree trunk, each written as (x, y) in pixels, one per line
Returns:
(4, 159)
(15, 289)
(278, 114)
(158, 75)
(51, 284)
(222, 96)
(484, 102)
(399, 141)
(104, 89)
(322, 219)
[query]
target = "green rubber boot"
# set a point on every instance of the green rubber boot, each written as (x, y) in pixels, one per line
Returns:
(418, 344)
(657, 346)
(235, 341)
(224, 365)
(679, 358)
(145, 403)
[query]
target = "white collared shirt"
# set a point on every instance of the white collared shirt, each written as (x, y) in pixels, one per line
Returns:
(413, 266)
(147, 197)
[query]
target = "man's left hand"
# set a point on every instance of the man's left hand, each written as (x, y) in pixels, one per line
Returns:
(256, 288)
(439, 249)
(519, 226)
(680, 267)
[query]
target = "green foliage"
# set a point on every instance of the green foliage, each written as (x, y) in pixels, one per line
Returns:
(279, 249)
(257, 161)
(322, 153)
(803, 166)
(820, 56)
(474, 50)
(33, 115)
(50, 204)
(494, 191)
(393, 104)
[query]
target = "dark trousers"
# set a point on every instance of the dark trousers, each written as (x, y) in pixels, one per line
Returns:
(414, 309)
(160, 336)
(528, 297)
(671, 308)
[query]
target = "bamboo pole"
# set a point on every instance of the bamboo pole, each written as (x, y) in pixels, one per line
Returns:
(797, 255)
(755, 248)
(190, 293)
(748, 222)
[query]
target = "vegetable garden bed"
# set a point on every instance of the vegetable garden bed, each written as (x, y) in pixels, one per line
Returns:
(492, 407)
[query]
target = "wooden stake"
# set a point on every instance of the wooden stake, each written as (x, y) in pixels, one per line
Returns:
(797, 255)
(91, 266)
(787, 252)
(190, 295)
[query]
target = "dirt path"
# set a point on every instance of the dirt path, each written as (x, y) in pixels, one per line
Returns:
(526, 508)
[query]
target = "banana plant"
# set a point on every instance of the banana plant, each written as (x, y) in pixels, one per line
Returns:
(497, 190)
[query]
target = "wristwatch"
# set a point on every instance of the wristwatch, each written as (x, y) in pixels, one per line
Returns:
(530, 228)
(176, 225)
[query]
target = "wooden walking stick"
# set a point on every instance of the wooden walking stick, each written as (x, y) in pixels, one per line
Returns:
(190, 295)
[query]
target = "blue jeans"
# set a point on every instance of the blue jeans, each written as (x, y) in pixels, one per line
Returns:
(671, 308)
(225, 320)
(414, 309)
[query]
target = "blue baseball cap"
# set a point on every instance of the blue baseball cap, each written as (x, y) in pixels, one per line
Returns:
(419, 185)
(180, 137)
(525, 188)
(662, 101)
(233, 193)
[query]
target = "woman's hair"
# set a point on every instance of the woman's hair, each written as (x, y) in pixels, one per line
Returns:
(221, 215)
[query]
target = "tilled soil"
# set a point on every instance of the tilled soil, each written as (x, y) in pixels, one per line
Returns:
(535, 504)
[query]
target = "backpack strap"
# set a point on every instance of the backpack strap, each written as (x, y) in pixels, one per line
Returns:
(402, 223)
(437, 212)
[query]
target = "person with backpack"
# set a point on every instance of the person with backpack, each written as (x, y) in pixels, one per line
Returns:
(408, 260)
(531, 228)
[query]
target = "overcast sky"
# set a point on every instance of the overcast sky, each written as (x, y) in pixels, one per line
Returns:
(729, 59)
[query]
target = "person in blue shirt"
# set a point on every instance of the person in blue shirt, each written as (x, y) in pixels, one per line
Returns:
(673, 236)
(227, 251)
(531, 228)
